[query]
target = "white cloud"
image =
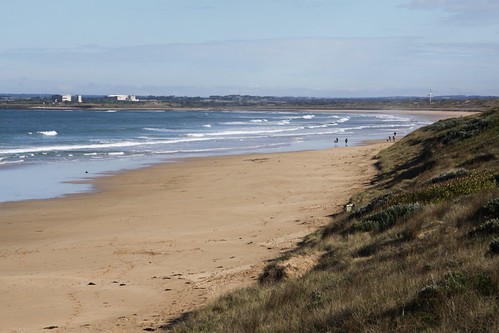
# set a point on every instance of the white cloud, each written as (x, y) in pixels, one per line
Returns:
(313, 66)
(454, 5)
(462, 12)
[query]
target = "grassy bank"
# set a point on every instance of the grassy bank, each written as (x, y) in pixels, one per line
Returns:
(419, 252)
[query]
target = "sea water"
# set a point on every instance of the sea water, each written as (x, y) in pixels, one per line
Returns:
(42, 152)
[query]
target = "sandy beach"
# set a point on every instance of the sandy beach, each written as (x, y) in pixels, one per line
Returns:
(153, 243)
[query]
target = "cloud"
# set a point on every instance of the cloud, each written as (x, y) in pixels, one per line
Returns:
(312, 62)
(276, 52)
(462, 12)
(455, 5)
(312, 66)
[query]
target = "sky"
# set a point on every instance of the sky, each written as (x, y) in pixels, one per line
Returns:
(315, 48)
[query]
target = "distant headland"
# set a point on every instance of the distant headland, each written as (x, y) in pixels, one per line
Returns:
(48, 101)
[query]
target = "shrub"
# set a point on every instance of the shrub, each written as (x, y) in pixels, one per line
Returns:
(433, 295)
(444, 124)
(272, 274)
(494, 247)
(446, 186)
(490, 227)
(448, 175)
(454, 282)
(479, 159)
(469, 130)
(388, 217)
(492, 207)
(472, 183)
(374, 204)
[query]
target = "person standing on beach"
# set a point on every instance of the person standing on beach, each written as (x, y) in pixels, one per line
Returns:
(346, 142)
(336, 142)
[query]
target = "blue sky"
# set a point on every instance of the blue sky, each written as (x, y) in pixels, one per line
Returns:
(322, 48)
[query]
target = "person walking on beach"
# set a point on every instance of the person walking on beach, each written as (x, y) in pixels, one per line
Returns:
(346, 142)
(336, 142)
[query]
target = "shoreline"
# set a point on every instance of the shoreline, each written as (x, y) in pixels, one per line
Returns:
(69, 176)
(414, 111)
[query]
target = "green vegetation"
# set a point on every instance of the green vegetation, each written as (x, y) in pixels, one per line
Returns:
(464, 103)
(420, 253)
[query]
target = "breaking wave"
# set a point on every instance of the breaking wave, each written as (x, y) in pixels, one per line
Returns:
(48, 133)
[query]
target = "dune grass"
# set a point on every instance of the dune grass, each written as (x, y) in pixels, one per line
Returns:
(420, 252)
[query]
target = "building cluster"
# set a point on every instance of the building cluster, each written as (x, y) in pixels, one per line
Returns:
(68, 98)
(79, 99)
(125, 98)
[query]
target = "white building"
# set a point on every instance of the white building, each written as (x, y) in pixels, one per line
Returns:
(126, 98)
(68, 98)
(65, 98)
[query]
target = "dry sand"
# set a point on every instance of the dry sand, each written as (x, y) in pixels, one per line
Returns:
(162, 240)
(156, 242)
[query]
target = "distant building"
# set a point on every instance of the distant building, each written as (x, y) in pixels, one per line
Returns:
(66, 98)
(125, 98)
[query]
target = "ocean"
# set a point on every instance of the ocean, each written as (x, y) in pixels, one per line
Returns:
(43, 152)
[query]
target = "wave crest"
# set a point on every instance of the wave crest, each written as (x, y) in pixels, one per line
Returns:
(47, 133)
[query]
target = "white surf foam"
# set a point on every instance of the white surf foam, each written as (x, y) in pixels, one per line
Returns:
(11, 162)
(392, 118)
(48, 133)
